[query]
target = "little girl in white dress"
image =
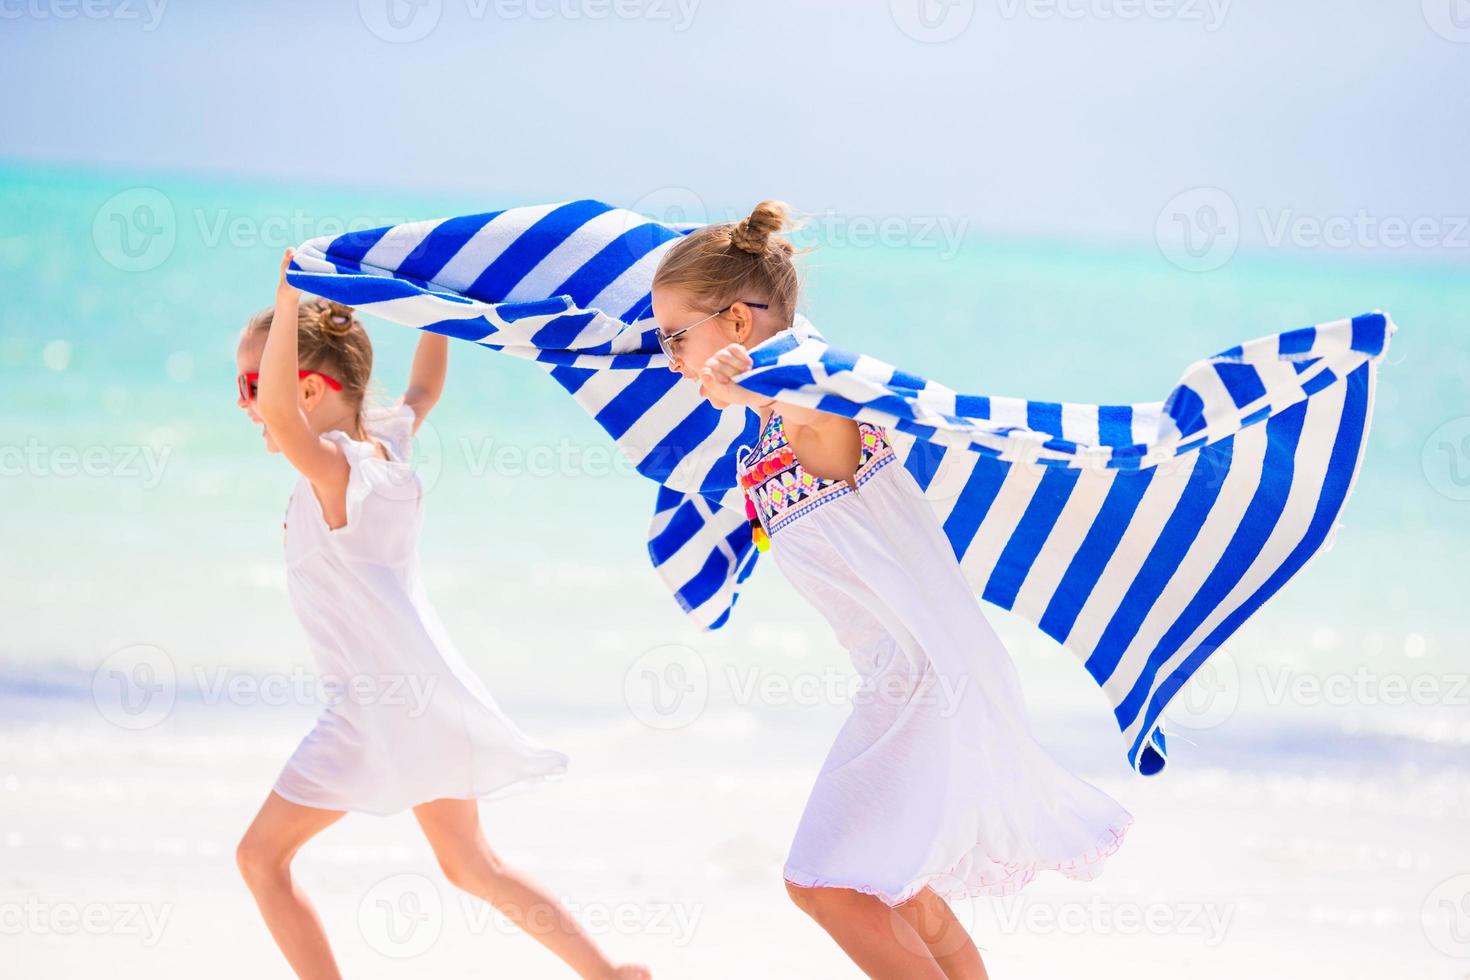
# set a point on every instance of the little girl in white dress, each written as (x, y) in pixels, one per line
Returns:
(407, 721)
(939, 716)
(935, 787)
(407, 724)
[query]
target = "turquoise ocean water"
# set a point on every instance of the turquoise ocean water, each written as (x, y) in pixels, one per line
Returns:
(140, 508)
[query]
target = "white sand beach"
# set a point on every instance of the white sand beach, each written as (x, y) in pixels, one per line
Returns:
(117, 855)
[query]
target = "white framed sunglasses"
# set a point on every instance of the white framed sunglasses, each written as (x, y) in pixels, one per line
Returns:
(666, 340)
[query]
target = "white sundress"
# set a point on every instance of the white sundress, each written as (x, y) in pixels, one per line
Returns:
(406, 720)
(935, 779)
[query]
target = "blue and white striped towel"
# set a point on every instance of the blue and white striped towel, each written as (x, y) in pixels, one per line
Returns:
(1139, 536)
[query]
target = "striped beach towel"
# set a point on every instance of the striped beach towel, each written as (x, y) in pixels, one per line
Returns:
(1140, 537)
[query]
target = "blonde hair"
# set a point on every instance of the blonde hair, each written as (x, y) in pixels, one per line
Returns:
(329, 339)
(741, 260)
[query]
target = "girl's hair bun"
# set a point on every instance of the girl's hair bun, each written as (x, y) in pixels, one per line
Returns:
(329, 339)
(753, 233)
(737, 260)
(333, 319)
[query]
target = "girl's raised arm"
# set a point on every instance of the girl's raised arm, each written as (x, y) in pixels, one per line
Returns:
(426, 380)
(278, 400)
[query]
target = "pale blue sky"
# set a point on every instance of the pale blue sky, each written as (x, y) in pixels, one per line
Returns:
(1045, 117)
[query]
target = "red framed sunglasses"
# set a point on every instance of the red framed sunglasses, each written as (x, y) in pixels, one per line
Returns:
(248, 384)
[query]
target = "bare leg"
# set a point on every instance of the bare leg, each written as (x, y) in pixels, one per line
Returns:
(453, 830)
(934, 922)
(264, 855)
(882, 944)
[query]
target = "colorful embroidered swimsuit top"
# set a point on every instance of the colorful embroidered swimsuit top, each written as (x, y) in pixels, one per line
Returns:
(778, 490)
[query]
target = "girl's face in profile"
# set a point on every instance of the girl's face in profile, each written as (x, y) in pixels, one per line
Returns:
(691, 334)
(247, 360)
(694, 334)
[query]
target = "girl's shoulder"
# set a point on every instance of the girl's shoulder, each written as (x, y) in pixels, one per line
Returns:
(393, 427)
(380, 492)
